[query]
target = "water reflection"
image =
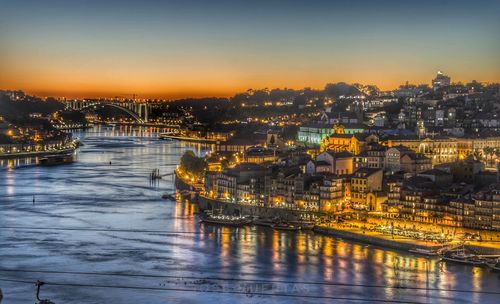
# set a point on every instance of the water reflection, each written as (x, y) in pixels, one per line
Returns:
(312, 258)
(92, 193)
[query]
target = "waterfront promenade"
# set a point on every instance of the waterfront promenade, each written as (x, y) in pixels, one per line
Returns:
(18, 150)
(354, 231)
(109, 221)
(350, 229)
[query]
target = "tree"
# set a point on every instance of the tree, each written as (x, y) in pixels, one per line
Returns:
(476, 155)
(192, 164)
(272, 141)
(488, 152)
(289, 132)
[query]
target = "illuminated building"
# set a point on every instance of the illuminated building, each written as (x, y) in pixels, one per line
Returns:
(260, 155)
(486, 212)
(353, 143)
(366, 183)
(240, 144)
(331, 162)
(439, 150)
(339, 118)
(415, 163)
(421, 202)
(242, 181)
(331, 193)
(313, 134)
(391, 206)
(372, 158)
(440, 81)
(393, 157)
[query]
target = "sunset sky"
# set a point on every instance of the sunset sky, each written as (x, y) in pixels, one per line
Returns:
(184, 48)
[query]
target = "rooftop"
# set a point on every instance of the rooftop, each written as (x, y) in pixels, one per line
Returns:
(365, 172)
(436, 172)
(342, 154)
(245, 167)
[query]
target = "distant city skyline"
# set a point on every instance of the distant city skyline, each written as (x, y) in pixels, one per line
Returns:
(175, 49)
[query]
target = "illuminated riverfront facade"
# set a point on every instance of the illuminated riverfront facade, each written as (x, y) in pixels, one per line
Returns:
(446, 149)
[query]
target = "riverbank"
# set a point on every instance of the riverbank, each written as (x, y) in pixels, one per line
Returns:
(369, 237)
(193, 193)
(190, 139)
(344, 230)
(141, 233)
(37, 153)
(394, 241)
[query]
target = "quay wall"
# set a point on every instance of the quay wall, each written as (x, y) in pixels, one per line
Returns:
(35, 153)
(363, 238)
(205, 203)
(395, 244)
(181, 185)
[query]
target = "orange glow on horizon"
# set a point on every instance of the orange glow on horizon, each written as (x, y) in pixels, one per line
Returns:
(171, 92)
(209, 80)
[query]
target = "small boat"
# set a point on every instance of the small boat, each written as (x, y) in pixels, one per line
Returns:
(463, 258)
(169, 196)
(494, 265)
(168, 136)
(52, 160)
(225, 220)
(285, 226)
(262, 222)
(424, 251)
(307, 225)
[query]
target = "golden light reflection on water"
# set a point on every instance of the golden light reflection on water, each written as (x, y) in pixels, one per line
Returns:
(225, 246)
(276, 252)
(256, 252)
(341, 249)
(9, 182)
(327, 246)
(334, 260)
(249, 243)
(12, 163)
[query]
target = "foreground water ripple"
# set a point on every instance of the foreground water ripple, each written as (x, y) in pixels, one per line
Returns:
(184, 262)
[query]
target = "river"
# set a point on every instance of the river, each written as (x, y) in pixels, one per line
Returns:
(99, 232)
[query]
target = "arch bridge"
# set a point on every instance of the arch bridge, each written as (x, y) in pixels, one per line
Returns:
(138, 111)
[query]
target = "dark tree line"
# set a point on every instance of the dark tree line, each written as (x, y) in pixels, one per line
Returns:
(193, 164)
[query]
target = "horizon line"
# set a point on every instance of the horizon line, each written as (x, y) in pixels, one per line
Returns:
(180, 95)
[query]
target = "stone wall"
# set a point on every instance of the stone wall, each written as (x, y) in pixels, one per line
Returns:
(205, 203)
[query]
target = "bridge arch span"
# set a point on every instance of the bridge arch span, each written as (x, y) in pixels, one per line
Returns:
(124, 109)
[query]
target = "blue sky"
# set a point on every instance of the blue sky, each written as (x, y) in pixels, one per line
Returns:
(196, 48)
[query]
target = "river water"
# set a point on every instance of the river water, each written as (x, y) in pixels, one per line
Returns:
(99, 232)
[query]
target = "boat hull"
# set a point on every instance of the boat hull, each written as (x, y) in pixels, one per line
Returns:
(223, 222)
(424, 252)
(463, 261)
(55, 160)
(285, 227)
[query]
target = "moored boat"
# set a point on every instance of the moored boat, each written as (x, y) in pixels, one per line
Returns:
(169, 136)
(165, 136)
(58, 159)
(424, 251)
(494, 266)
(306, 225)
(225, 220)
(263, 222)
(169, 196)
(285, 226)
(463, 258)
